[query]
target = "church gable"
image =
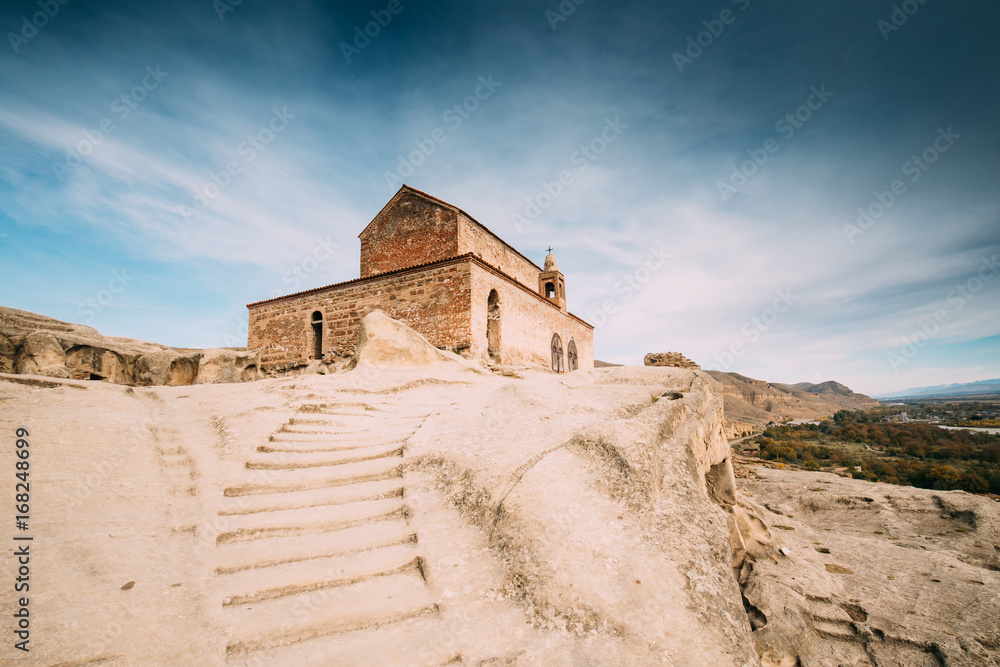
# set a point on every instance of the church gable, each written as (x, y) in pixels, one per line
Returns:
(412, 229)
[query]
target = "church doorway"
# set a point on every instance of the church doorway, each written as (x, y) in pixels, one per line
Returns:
(571, 356)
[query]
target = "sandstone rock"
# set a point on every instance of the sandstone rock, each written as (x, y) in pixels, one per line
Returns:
(153, 368)
(36, 345)
(874, 573)
(166, 367)
(183, 370)
(224, 366)
(738, 429)
(384, 342)
(8, 353)
(41, 354)
(85, 362)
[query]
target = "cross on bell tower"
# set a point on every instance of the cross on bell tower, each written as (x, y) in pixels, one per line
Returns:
(551, 283)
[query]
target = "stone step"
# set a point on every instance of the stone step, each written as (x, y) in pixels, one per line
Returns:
(295, 521)
(293, 578)
(370, 437)
(409, 641)
(337, 495)
(270, 530)
(301, 460)
(261, 554)
(285, 481)
(292, 619)
(298, 447)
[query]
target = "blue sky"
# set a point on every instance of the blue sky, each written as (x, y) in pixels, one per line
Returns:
(735, 139)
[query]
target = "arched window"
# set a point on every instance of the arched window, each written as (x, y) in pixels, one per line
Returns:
(317, 334)
(557, 354)
(493, 326)
(550, 290)
(571, 357)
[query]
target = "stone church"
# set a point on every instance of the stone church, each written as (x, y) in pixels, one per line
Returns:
(433, 267)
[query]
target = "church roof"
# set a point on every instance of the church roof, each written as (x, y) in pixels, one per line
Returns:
(406, 189)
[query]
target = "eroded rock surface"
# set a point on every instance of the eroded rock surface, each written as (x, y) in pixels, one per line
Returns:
(386, 343)
(419, 516)
(874, 574)
(32, 344)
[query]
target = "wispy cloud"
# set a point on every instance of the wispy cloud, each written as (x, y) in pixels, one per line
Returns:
(323, 176)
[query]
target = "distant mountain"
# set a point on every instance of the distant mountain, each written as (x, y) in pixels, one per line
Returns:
(756, 402)
(945, 390)
(828, 387)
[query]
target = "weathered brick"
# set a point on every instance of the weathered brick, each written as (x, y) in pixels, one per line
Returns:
(432, 267)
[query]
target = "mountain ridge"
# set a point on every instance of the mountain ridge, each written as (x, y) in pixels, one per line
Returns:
(751, 403)
(944, 390)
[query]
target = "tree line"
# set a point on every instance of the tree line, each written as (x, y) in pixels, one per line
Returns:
(921, 455)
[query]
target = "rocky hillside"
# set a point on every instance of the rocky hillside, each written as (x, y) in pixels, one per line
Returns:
(32, 344)
(873, 574)
(412, 511)
(750, 403)
(416, 510)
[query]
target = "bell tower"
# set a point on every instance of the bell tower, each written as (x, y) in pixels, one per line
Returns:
(551, 283)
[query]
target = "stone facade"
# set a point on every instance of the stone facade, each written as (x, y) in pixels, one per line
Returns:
(673, 359)
(434, 268)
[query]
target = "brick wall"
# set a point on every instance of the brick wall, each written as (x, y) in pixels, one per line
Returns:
(472, 237)
(434, 301)
(410, 231)
(527, 323)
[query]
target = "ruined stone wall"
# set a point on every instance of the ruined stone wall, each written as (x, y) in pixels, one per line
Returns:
(412, 231)
(434, 301)
(527, 323)
(472, 237)
(673, 359)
